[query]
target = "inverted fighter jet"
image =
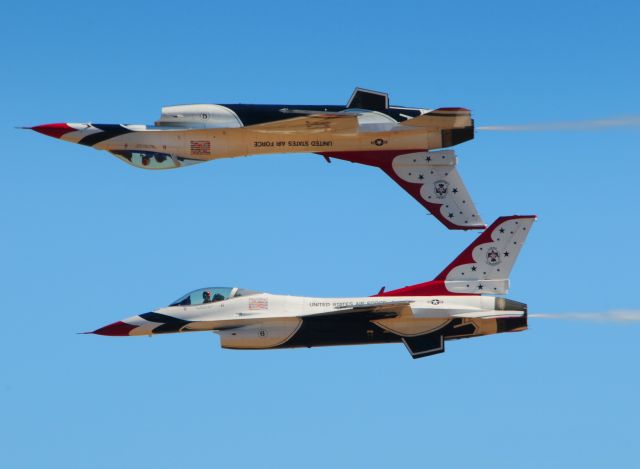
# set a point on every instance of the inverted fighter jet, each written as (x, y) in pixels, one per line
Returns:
(459, 303)
(367, 130)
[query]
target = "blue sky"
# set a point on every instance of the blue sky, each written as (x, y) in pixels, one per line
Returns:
(88, 240)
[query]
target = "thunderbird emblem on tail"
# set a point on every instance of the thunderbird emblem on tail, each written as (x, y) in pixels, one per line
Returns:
(367, 130)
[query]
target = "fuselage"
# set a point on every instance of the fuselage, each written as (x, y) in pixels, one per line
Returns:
(190, 134)
(459, 302)
(262, 320)
(367, 130)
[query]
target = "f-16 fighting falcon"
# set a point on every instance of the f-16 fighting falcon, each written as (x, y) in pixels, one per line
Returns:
(367, 130)
(457, 304)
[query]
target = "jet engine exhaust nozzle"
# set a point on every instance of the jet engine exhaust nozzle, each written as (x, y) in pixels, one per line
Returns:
(511, 324)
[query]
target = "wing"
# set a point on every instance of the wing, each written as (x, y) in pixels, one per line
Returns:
(325, 122)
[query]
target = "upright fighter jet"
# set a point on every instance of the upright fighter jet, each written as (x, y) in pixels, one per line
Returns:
(367, 130)
(457, 304)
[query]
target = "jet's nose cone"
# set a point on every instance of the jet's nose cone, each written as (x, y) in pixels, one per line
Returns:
(115, 329)
(54, 130)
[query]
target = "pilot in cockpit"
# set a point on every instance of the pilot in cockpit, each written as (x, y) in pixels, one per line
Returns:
(206, 296)
(218, 297)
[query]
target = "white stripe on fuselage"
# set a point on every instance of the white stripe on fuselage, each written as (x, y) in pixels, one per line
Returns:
(242, 310)
(243, 141)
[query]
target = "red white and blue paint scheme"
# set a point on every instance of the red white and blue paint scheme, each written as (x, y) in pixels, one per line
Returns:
(399, 140)
(460, 302)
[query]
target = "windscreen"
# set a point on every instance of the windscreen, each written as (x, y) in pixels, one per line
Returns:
(153, 159)
(204, 295)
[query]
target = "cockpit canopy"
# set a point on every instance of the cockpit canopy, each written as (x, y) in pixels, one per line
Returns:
(211, 295)
(153, 160)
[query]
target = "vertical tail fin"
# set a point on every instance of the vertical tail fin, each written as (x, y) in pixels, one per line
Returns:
(430, 177)
(484, 266)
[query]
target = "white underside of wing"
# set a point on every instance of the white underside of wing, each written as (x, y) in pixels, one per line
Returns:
(441, 184)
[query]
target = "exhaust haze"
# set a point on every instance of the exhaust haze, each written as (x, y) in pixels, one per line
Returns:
(596, 124)
(619, 316)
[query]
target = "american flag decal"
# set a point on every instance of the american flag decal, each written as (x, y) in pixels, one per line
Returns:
(258, 303)
(200, 147)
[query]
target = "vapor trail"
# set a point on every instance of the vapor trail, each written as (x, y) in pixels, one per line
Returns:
(607, 316)
(629, 121)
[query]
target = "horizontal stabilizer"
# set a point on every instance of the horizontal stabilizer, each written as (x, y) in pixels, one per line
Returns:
(443, 118)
